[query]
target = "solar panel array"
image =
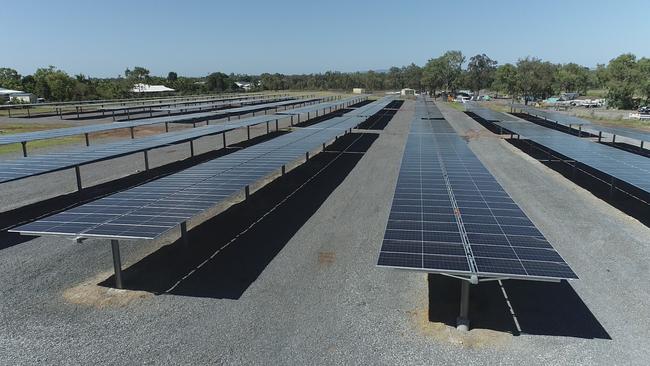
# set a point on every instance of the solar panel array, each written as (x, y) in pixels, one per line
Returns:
(449, 215)
(71, 131)
(630, 168)
(567, 119)
(372, 108)
(149, 210)
(488, 114)
(321, 106)
(47, 163)
(216, 104)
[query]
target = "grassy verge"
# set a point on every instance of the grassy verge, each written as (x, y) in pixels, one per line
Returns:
(31, 127)
(457, 106)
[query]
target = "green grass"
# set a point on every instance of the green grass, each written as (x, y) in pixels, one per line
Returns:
(9, 129)
(597, 93)
(23, 112)
(457, 106)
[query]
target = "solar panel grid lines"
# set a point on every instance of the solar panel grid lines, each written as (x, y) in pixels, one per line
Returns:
(320, 106)
(449, 215)
(622, 165)
(217, 104)
(80, 130)
(566, 120)
(150, 210)
(51, 162)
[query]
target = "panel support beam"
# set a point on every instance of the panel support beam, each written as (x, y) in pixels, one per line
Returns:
(117, 263)
(77, 173)
(462, 322)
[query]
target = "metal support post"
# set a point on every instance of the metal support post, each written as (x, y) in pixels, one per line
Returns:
(132, 132)
(117, 263)
(276, 126)
(247, 192)
(307, 156)
(87, 140)
(24, 144)
(77, 173)
(192, 148)
(600, 135)
(267, 128)
(248, 132)
(284, 170)
(462, 322)
(224, 140)
(614, 139)
(184, 238)
(146, 160)
(166, 126)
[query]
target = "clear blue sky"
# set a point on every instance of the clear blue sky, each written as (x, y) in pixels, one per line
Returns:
(193, 38)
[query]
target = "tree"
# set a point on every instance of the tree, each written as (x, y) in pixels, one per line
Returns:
(573, 78)
(412, 76)
(535, 78)
(505, 79)
(172, 76)
(480, 72)
(137, 75)
(432, 78)
(643, 67)
(394, 79)
(452, 67)
(622, 81)
(219, 82)
(9, 78)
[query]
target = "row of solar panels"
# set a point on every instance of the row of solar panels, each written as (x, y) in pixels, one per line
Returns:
(449, 215)
(627, 167)
(159, 106)
(568, 120)
(187, 118)
(630, 168)
(201, 106)
(150, 210)
(104, 102)
(52, 162)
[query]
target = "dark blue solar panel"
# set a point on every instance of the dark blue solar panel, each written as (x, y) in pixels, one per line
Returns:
(449, 214)
(149, 210)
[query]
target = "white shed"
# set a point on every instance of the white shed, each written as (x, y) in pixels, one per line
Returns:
(407, 91)
(146, 88)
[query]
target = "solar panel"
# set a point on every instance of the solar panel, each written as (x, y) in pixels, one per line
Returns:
(217, 104)
(71, 131)
(52, 162)
(488, 114)
(372, 108)
(627, 167)
(321, 106)
(449, 215)
(561, 118)
(149, 210)
(568, 119)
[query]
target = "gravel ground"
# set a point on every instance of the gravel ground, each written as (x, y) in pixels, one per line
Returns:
(290, 278)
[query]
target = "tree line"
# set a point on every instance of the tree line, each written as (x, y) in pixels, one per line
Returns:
(625, 80)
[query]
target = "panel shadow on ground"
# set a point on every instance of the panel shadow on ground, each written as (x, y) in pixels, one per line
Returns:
(540, 308)
(227, 253)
